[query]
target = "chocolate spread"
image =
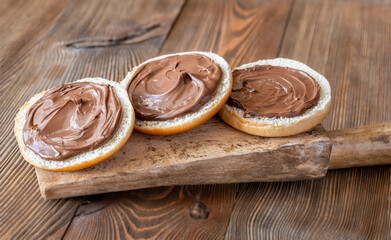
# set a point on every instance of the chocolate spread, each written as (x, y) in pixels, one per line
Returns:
(71, 119)
(170, 87)
(271, 91)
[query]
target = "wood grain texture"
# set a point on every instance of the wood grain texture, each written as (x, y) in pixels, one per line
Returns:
(347, 42)
(362, 146)
(196, 157)
(188, 212)
(22, 25)
(69, 52)
(240, 31)
(347, 204)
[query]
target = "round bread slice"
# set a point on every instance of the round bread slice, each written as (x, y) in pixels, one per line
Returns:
(281, 126)
(85, 159)
(189, 120)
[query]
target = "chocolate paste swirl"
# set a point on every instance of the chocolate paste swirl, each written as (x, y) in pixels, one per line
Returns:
(71, 119)
(272, 91)
(170, 87)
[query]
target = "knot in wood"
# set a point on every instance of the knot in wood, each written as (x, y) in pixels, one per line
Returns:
(199, 210)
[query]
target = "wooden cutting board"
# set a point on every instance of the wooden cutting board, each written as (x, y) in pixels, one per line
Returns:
(211, 153)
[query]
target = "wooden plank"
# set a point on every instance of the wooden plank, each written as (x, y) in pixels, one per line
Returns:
(361, 146)
(188, 212)
(348, 42)
(199, 27)
(241, 32)
(347, 204)
(196, 157)
(80, 44)
(22, 26)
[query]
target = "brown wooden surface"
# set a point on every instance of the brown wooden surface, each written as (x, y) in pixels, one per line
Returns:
(196, 157)
(187, 212)
(361, 146)
(346, 41)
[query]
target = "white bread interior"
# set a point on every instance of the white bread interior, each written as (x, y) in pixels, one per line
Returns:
(189, 120)
(281, 126)
(85, 159)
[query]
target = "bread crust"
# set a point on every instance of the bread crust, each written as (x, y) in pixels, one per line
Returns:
(69, 164)
(167, 127)
(234, 119)
(187, 126)
(259, 126)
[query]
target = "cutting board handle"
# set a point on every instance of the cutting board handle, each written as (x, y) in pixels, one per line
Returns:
(362, 146)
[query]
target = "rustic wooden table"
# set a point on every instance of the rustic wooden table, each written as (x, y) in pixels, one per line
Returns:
(46, 43)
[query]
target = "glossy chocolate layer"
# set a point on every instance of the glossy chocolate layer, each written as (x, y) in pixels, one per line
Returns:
(173, 86)
(271, 91)
(71, 119)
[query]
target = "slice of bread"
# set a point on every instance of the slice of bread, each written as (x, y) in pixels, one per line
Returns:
(281, 126)
(85, 159)
(189, 120)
